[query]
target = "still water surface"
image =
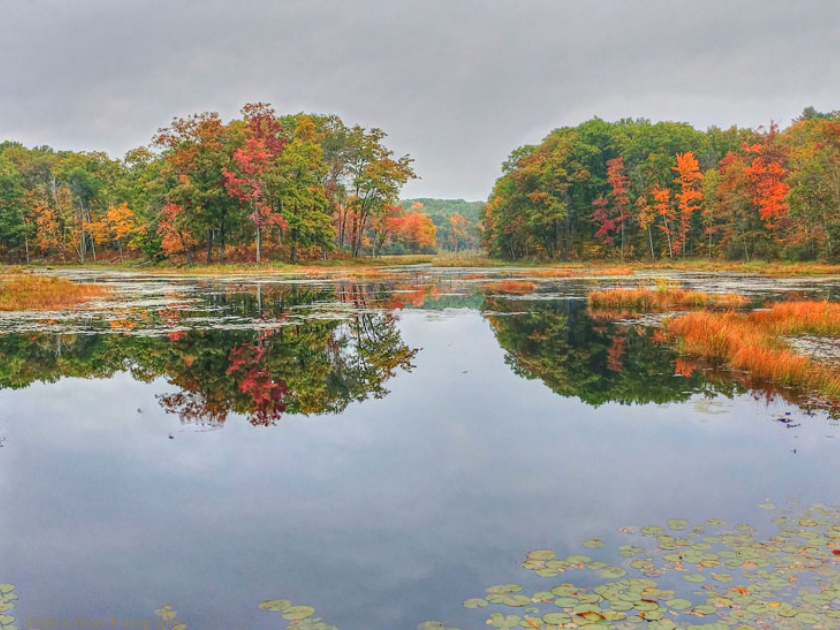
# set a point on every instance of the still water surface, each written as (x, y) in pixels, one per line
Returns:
(380, 449)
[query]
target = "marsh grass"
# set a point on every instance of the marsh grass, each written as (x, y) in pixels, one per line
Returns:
(754, 342)
(667, 295)
(29, 291)
(515, 287)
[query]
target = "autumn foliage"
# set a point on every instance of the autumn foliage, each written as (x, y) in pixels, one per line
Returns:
(259, 185)
(636, 189)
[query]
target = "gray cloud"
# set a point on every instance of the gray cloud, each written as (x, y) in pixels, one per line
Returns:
(456, 83)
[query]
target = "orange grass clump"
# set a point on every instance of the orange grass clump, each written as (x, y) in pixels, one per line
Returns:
(33, 292)
(753, 342)
(613, 271)
(518, 287)
(554, 273)
(579, 272)
(662, 298)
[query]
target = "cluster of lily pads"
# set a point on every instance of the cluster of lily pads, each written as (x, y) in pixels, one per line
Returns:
(7, 603)
(711, 576)
(707, 576)
(299, 617)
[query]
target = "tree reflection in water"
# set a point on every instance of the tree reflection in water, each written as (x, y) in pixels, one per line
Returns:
(263, 353)
(600, 357)
(294, 361)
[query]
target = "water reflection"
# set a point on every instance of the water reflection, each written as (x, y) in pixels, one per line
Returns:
(601, 357)
(301, 365)
(265, 351)
(593, 359)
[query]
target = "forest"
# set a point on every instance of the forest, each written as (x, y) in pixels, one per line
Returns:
(305, 187)
(259, 187)
(634, 189)
(457, 222)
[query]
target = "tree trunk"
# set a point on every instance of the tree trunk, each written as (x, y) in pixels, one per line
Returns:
(650, 239)
(210, 234)
(622, 240)
(92, 242)
(82, 242)
(259, 242)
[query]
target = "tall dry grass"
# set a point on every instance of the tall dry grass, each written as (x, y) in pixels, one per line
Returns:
(516, 287)
(666, 295)
(754, 342)
(29, 291)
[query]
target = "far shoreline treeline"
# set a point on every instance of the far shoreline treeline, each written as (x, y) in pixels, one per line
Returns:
(259, 187)
(633, 190)
(300, 187)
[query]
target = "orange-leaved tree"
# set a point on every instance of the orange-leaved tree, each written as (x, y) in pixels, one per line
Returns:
(619, 194)
(689, 197)
(663, 207)
(768, 178)
(176, 237)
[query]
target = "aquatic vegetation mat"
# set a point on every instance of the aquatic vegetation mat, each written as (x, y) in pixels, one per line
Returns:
(682, 575)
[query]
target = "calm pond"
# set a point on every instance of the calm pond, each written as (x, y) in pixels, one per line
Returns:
(380, 449)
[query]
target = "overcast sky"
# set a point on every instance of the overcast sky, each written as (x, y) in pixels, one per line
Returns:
(456, 83)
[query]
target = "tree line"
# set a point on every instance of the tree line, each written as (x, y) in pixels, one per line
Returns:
(290, 187)
(457, 222)
(634, 189)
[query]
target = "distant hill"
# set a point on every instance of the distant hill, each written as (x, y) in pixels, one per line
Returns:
(439, 211)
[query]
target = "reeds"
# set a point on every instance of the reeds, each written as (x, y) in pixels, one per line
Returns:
(612, 271)
(553, 273)
(29, 291)
(516, 287)
(754, 342)
(666, 296)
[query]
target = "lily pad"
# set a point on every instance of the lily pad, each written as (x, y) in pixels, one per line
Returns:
(542, 555)
(296, 613)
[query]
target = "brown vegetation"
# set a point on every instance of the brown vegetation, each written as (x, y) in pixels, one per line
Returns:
(517, 287)
(29, 291)
(664, 297)
(754, 342)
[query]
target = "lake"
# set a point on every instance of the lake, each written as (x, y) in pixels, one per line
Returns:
(379, 448)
